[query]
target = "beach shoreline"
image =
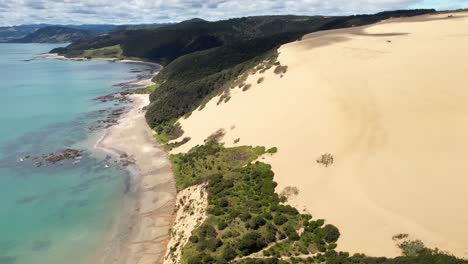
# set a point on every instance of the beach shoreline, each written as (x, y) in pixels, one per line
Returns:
(152, 198)
(143, 80)
(140, 231)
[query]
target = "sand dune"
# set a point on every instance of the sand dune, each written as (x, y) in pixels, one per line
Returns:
(389, 102)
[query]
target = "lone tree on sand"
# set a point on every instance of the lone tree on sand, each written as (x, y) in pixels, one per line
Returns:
(325, 159)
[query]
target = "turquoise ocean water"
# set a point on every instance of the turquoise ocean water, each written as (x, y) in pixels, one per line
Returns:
(61, 213)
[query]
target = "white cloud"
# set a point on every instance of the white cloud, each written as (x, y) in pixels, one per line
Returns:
(153, 11)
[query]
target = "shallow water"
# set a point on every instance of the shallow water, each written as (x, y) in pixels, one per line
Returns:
(61, 213)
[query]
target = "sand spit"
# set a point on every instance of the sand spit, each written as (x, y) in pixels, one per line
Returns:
(191, 213)
(388, 102)
(155, 210)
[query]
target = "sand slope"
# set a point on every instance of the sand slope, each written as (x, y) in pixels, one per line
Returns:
(389, 101)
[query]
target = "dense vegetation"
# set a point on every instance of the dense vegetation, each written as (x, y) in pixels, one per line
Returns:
(245, 213)
(248, 222)
(204, 161)
(165, 44)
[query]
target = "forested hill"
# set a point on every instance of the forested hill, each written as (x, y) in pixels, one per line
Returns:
(167, 43)
(55, 34)
(201, 57)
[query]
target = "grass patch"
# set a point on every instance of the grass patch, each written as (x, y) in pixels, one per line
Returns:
(167, 132)
(174, 145)
(212, 158)
(146, 90)
(106, 52)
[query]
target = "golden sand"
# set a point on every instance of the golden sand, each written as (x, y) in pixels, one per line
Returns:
(389, 103)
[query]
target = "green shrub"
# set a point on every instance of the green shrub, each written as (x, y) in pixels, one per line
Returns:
(331, 233)
(272, 150)
(223, 202)
(193, 239)
(245, 216)
(222, 225)
(257, 222)
(197, 259)
(251, 242)
(279, 219)
(229, 253)
(207, 231)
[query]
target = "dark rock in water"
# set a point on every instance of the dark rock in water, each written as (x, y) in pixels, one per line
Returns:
(126, 161)
(115, 97)
(66, 154)
(106, 98)
(56, 157)
(7, 260)
(127, 85)
(40, 245)
(112, 118)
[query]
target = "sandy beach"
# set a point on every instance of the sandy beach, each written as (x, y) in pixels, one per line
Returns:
(388, 101)
(154, 213)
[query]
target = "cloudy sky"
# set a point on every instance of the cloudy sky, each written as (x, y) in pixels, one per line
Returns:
(14, 12)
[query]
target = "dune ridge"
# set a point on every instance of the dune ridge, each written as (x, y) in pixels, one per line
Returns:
(388, 101)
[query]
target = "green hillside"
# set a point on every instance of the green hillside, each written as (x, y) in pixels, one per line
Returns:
(55, 34)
